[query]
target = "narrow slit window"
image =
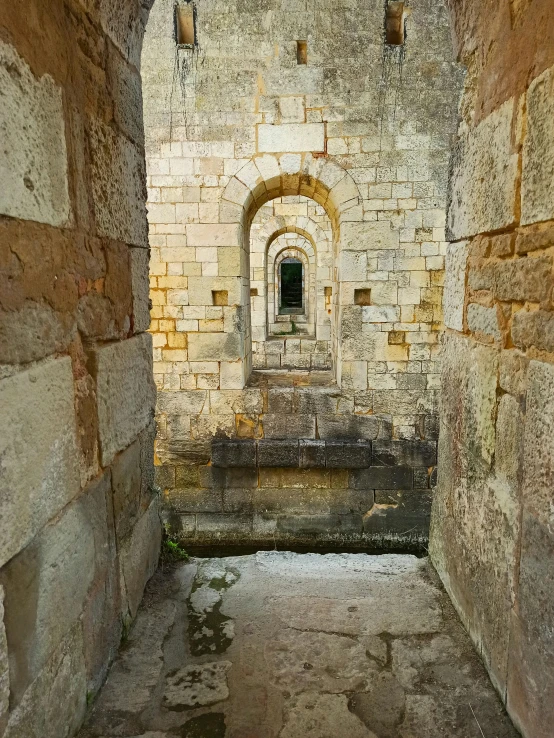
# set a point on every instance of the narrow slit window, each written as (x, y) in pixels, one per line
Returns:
(184, 25)
(301, 52)
(394, 23)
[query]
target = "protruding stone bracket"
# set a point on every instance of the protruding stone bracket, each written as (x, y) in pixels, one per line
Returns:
(329, 454)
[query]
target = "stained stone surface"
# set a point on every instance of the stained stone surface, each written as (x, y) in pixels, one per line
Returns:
(284, 645)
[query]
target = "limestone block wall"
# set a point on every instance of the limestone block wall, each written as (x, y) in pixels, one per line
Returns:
(492, 539)
(79, 522)
(361, 133)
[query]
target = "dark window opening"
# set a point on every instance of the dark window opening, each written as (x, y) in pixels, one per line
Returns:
(291, 278)
(394, 23)
(184, 25)
(301, 52)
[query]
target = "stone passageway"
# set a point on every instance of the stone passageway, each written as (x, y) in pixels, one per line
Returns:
(298, 646)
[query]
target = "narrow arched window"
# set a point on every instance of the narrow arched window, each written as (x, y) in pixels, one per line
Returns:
(291, 282)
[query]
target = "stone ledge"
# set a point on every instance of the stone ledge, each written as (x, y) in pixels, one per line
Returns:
(386, 459)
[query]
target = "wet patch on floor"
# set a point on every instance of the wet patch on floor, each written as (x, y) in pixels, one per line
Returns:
(284, 645)
(196, 686)
(210, 630)
(210, 725)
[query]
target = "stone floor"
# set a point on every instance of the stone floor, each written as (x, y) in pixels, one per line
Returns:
(298, 646)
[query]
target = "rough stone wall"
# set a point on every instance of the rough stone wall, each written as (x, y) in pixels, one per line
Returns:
(492, 539)
(79, 524)
(363, 130)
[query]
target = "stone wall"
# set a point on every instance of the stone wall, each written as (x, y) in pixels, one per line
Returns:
(492, 539)
(360, 136)
(79, 522)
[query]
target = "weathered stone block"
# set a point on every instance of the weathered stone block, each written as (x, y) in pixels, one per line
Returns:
(323, 526)
(454, 285)
(531, 659)
(484, 177)
(381, 314)
(347, 454)
(275, 453)
(125, 392)
(315, 400)
(139, 281)
(403, 514)
(126, 88)
(118, 185)
(34, 168)
(475, 517)
(183, 402)
(289, 426)
(404, 453)
(523, 279)
(223, 524)
(483, 320)
(101, 618)
(312, 454)
(421, 478)
(220, 346)
(234, 453)
(534, 328)
(537, 184)
(212, 234)
(126, 481)
(38, 447)
(538, 454)
(371, 235)
(4, 668)
(147, 439)
(195, 500)
(52, 575)
(382, 477)
(291, 137)
(348, 426)
(241, 477)
(56, 701)
(138, 558)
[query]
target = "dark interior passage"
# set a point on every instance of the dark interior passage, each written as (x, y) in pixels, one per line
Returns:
(292, 277)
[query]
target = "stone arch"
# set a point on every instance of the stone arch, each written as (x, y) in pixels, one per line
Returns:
(269, 176)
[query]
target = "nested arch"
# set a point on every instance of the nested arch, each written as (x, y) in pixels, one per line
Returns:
(279, 249)
(268, 177)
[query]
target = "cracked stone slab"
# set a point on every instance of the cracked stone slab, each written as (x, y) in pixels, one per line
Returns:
(197, 685)
(299, 661)
(383, 611)
(314, 715)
